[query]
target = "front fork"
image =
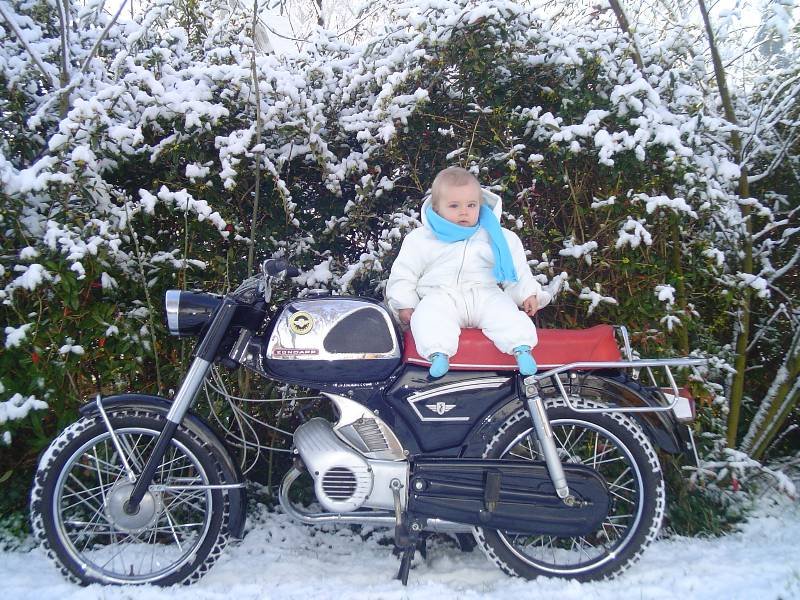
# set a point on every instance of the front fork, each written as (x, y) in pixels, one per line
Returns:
(204, 356)
(544, 435)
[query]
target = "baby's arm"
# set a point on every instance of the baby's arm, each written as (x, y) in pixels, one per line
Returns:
(401, 289)
(526, 292)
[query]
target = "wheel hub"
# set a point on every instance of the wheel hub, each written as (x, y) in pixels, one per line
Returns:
(149, 508)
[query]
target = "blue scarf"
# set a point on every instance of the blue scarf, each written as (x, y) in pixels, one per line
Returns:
(446, 231)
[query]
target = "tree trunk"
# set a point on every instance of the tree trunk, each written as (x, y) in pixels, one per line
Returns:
(257, 94)
(676, 268)
(743, 330)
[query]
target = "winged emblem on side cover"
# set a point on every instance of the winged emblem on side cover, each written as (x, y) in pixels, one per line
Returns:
(440, 408)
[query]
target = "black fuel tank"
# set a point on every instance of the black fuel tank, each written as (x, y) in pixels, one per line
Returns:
(336, 339)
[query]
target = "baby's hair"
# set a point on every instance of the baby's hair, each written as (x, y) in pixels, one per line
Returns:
(450, 176)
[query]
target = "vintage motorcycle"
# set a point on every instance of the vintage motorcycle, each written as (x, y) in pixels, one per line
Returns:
(555, 474)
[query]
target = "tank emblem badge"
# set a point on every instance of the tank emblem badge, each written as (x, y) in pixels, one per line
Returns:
(301, 322)
(440, 408)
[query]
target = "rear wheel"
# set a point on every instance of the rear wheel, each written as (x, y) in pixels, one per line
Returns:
(613, 445)
(80, 490)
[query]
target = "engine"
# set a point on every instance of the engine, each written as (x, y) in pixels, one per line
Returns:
(344, 479)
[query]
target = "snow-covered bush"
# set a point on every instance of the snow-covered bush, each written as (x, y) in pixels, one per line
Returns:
(136, 164)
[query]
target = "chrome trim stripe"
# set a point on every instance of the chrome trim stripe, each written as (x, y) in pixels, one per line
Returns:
(461, 386)
(172, 304)
(488, 382)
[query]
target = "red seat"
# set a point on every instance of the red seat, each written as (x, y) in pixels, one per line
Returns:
(556, 347)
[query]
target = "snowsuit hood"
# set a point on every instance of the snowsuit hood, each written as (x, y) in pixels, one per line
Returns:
(488, 198)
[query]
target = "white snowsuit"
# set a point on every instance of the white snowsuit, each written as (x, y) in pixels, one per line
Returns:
(451, 285)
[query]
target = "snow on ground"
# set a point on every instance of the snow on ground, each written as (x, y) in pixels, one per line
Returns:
(280, 559)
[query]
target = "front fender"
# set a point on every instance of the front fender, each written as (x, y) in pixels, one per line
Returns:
(612, 388)
(197, 425)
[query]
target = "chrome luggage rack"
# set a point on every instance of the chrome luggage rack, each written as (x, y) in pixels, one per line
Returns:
(635, 364)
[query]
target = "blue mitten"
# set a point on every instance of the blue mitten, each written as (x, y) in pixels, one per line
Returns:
(440, 364)
(527, 366)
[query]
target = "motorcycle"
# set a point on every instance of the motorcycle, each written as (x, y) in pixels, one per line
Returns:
(554, 474)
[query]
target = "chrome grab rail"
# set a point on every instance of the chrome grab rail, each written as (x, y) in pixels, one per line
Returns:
(648, 364)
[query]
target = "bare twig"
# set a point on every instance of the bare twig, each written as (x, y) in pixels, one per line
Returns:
(103, 35)
(31, 52)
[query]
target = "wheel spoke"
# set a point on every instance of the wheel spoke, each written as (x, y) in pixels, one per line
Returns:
(620, 497)
(188, 497)
(575, 443)
(81, 499)
(515, 455)
(620, 476)
(530, 448)
(172, 529)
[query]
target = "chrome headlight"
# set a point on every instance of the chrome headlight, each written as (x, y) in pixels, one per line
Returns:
(186, 313)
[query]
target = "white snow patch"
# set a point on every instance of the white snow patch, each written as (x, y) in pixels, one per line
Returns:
(595, 298)
(320, 273)
(759, 284)
(196, 171)
(18, 406)
(107, 281)
(15, 335)
(670, 322)
(71, 348)
(283, 560)
(28, 253)
(578, 250)
(32, 276)
(666, 293)
(677, 205)
(633, 233)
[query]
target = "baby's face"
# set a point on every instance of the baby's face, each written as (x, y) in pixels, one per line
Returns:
(460, 204)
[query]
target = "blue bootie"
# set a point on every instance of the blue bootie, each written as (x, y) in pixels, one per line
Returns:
(527, 366)
(440, 364)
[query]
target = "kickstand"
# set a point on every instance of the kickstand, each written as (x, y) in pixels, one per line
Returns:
(405, 564)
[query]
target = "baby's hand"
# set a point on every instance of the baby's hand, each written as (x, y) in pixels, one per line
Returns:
(404, 314)
(531, 305)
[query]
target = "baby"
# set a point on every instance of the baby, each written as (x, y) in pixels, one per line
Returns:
(447, 274)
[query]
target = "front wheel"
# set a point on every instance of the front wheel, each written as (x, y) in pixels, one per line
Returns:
(614, 446)
(79, 495)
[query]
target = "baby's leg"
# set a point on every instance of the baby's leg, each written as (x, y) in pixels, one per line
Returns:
(502, 321)
(434, 324)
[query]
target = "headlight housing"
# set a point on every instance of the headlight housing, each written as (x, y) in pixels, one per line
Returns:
(186, 313)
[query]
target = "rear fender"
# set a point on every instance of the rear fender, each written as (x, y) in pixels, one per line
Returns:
(612, 388)
(230, 470)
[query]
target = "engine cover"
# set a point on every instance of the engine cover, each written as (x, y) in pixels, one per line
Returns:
(342, 477)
